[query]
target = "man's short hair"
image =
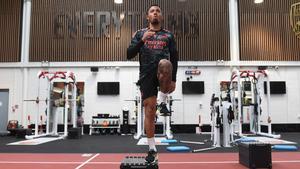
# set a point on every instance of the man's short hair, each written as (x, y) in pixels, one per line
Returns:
(150, 7)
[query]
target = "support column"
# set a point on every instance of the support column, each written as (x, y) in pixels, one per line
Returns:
(234, 32)
(25, 55)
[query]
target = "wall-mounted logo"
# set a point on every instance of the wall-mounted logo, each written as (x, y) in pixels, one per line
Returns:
(295, 18)
(98, 24)
(193, 72)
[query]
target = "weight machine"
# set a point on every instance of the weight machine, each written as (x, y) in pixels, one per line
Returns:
(139, 116)
(51, 117)
(221, 117)
(257, 79)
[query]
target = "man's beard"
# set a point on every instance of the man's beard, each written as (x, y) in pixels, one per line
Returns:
(155, 22)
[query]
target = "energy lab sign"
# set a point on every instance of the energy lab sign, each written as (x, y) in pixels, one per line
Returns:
(97, 24)
(295, 18)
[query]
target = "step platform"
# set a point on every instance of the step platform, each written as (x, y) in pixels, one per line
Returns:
(255, 155)
(130, 162)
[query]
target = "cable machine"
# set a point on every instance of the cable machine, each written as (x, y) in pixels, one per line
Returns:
(237, 92)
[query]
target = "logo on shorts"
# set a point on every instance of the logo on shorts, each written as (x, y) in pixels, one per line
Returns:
(295, 18)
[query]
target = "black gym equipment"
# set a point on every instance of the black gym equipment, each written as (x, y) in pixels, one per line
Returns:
(125, 129)
(21, 132)
(74, 133)
(130, 162)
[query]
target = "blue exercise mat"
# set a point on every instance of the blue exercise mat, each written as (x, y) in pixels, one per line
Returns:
(168, 141)
(285, 147)
(178, 148)
(245, 139)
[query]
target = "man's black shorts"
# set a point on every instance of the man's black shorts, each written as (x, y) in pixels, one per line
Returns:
(149, 85)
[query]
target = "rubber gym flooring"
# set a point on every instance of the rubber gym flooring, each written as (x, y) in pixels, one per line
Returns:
(107, 152)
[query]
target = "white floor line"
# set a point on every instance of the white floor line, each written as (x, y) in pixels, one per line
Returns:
(113, 162)
(87, 161)
(291, 161)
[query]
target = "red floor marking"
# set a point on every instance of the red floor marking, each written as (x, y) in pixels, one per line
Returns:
(289, 160)
(36, 166)
(42, 157)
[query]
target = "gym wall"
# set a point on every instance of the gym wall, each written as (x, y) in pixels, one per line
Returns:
(210, 46)
(284, 107)
(93, 30)
(10, 30)
(266, 30)
(11, 79)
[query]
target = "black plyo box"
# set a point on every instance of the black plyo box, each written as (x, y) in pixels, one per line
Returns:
(74, 133)
(131, 162)
(255, 155)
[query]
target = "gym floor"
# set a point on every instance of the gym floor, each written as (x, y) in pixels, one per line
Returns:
(107, 151)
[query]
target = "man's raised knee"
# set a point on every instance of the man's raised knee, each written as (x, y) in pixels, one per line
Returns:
(165, 62)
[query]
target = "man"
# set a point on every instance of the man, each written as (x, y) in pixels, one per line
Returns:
(80, 104)
(158, 59)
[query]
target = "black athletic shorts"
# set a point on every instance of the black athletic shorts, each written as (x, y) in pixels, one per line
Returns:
(149, 85)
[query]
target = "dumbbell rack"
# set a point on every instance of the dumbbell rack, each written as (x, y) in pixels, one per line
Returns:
(105, 122)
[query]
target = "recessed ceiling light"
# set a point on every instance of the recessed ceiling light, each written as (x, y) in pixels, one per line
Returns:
(118, 1)
(258, 1)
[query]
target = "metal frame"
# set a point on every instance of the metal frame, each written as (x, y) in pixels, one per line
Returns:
(140, 122)
(260, 75)
(69, 80)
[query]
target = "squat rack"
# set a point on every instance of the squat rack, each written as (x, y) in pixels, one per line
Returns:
(69, 80)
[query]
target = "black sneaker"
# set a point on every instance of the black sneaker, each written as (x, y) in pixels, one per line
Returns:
(152, 157)
(162, 107)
